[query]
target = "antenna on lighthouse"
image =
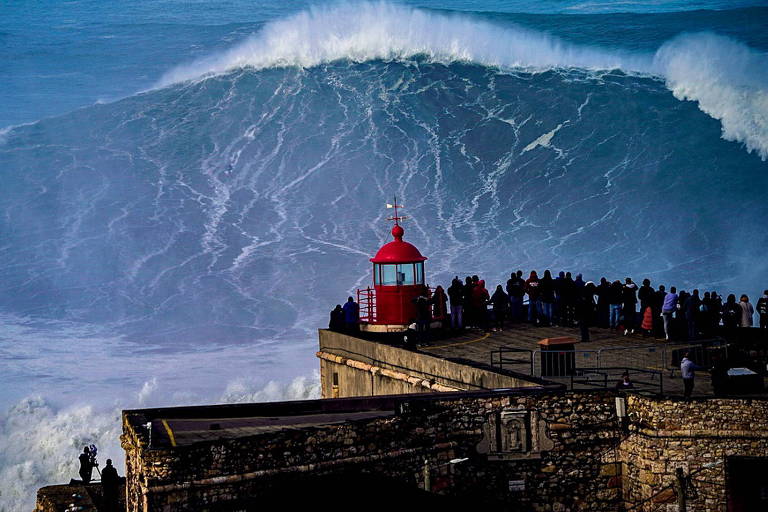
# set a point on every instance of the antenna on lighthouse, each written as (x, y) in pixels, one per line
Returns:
(394, 205)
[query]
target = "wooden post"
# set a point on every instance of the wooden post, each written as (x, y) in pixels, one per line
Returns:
(680, 489)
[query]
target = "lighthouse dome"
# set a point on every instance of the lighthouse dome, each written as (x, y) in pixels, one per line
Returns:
(398, 251)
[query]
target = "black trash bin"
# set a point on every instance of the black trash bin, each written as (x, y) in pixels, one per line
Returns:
(557, 356)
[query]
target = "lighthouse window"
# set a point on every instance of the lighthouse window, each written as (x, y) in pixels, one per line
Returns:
(419, 273)
(396, 275)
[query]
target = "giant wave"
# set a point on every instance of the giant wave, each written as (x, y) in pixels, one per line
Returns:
(727, 78)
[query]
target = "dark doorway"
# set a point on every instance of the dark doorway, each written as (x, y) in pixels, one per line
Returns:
(747, 484)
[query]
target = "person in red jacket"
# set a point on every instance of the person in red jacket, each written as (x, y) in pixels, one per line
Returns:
(480, 298)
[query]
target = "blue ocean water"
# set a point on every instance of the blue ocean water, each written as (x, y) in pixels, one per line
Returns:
(189, 187)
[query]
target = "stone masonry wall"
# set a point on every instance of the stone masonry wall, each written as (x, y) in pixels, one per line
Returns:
(571, 467)
(697, 436)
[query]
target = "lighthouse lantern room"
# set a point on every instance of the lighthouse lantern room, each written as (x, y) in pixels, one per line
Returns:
(398, 279)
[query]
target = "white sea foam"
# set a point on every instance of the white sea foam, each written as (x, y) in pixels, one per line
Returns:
(382, 30)
(39, 442)
(727, 78)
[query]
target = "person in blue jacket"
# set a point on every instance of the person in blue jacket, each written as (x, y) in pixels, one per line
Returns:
(351, 315)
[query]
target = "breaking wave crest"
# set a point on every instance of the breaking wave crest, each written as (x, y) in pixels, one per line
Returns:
(728, 79)
(39, 442)
(386, 31)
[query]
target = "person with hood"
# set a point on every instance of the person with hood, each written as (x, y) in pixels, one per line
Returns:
(692, 305)
(762, 310)
(547, 297)
(500, 300)
(647, 322)
(480, 299)
(532, 289)
(516, 291)
(668, 309)
(629, 305)
(439, 303)
(337, 319)
(747, 311)
(110, 486)
(456, 295)
(351, 315)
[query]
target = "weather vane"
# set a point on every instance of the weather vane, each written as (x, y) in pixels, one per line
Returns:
(395, 217)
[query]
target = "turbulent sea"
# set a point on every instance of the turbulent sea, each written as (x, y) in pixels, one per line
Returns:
(187, 188)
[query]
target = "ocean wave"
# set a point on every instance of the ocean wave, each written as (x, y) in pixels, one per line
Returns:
(39, 442)
(727, 79)
(696, 67)
(386, 31)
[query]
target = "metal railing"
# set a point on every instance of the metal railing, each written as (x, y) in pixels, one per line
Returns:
(508, 356)
(642, 380)
(591, 366)
(366, 299)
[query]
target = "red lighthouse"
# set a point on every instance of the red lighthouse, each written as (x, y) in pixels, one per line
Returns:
(398, 278)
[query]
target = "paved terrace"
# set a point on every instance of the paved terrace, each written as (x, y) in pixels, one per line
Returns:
(609, 352)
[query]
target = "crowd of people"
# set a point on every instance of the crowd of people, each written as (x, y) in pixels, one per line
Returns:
(567, 301)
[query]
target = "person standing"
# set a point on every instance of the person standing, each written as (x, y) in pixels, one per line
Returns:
(569, 300)
(692, 305)
(731, 316)
(456, 296)
(668, 309)
(687, 369)
(615, 297)
(532, 289)
(603, 303)
(747, 311)
(480, 299)
(423, 318)
(336, 322)
(645, 295)
(469, 310)
(439, 305)
(762, 310)
(500, 300)
(110, 485)
(351, 315)
(516, 291)
(629, 305)
(656, 307)
(547, 295)
(86, 465)
(585, 309)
